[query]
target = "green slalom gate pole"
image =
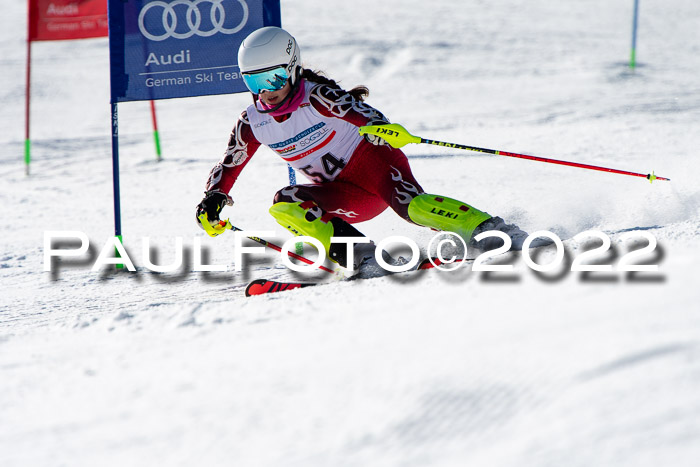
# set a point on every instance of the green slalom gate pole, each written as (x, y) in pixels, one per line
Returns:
(27, 102)
(116, 253)
(633, 53)
(397, 136)
(27, 155)
(156, 136)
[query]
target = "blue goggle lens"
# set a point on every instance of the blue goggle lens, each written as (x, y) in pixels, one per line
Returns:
(266, 80)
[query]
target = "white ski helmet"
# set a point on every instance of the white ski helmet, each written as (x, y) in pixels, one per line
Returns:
(270, 47)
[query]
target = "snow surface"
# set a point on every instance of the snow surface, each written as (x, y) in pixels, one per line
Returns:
(522, 369)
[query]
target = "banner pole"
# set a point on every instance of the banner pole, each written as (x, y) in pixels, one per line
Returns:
(27, 142)
(115, 178)
(298, 246)
(156, 136)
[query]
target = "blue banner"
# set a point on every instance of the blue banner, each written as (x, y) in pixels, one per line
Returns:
(163, 49)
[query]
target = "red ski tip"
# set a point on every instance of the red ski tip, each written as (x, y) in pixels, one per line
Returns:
(263, 286)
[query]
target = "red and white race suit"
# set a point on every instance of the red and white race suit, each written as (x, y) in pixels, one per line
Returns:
(352, 178)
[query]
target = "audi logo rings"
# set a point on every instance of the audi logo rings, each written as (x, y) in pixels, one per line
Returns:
(193, 17)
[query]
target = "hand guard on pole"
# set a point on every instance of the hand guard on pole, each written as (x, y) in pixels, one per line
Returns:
(208, 212)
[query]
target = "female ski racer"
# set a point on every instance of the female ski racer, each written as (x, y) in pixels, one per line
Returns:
(313, 125)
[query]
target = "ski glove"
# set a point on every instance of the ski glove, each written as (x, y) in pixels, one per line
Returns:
(376, 140)
(212, 204)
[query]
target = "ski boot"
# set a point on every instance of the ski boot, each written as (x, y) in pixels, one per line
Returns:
(365, 261)
(516, 234)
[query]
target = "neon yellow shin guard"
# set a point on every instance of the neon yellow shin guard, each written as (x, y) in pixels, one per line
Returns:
(307, 219)
(443, 213)
(301, 221)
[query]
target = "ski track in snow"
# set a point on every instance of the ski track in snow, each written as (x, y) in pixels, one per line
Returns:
(488, 369)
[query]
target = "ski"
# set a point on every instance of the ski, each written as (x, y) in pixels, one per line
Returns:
(264, 286)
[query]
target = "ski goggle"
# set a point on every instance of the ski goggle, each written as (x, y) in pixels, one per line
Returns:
(271, 79)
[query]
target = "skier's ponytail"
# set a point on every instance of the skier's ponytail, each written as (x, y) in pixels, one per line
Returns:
(358, 92)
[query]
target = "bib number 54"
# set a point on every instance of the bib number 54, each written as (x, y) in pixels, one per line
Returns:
(330, 165)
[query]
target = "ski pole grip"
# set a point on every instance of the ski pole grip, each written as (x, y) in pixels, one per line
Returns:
(393, 133)
(214, 230)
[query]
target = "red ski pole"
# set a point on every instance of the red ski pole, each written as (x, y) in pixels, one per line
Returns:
(264, 242)
(225, 225)
(397, 136)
